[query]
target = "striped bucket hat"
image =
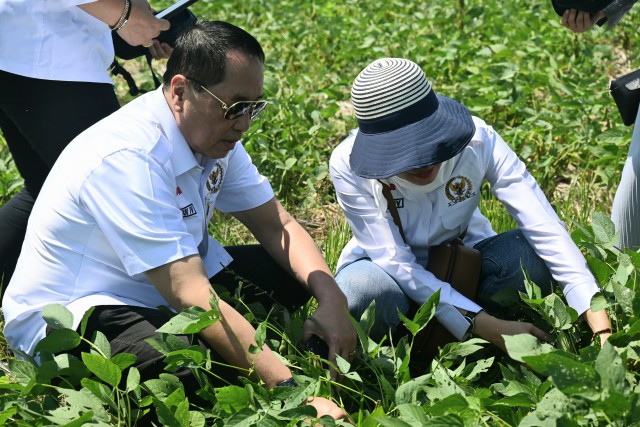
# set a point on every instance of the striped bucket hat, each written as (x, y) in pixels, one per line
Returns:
(403, 124)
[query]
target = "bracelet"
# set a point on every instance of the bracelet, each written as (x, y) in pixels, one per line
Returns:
(126, 12)
(600, 332)
(289, 382)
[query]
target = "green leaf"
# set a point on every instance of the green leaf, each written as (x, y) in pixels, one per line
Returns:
(522, 345)
(611, 369)
(133, 379)
(189, 321)
(166, 343)
(57, 316)
(560, 315)
(391, 422)
(453, 404)
(102, 344)
(570, 376)
(408, 391)
(522, 400)
(162, 387)
(299, 412)
(24, 372)
(58, 341)
(413, 414)
(424, 314)
(232, 398)
(103, 368)
(599, 302)
(85, 319)
(604, 230)
(600, 269)
(124, 360)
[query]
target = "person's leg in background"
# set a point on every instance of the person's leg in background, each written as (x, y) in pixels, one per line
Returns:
(503, 258)
(362, 282)
(38, 118)
(625, 212)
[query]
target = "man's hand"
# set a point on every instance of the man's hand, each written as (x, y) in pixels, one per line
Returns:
(579, 21)
(160, 50)
(492, 329)
(331, 323)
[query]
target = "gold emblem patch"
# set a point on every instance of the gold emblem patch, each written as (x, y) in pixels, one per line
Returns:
(458, 189)
(215, 179)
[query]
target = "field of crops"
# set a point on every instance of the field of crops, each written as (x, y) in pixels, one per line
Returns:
(541, 87)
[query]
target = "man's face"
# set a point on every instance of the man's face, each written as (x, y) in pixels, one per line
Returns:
(421, 176)
(200, 116)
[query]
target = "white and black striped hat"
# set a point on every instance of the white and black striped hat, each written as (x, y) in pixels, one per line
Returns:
(403, 124)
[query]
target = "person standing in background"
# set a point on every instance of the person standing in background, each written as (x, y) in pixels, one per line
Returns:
(54, 60)
(625, 212)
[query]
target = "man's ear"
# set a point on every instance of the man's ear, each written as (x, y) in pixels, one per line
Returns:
(178, 91)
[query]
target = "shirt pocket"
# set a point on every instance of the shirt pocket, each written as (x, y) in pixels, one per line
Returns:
(457, 218)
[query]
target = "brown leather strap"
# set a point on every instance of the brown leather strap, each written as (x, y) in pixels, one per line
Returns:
(386, 192)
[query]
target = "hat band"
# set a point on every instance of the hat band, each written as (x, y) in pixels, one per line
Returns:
(398, 119)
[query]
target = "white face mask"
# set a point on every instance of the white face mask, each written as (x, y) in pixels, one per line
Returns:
(444, 174)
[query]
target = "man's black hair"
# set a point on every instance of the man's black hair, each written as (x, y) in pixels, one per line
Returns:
(200, 53)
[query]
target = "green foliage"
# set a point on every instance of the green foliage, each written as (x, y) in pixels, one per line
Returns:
(542, 88)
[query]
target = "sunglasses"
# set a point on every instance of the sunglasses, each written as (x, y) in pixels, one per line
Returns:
(237, 109)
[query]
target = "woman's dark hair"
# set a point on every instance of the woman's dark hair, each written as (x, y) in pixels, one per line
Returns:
(200, 53)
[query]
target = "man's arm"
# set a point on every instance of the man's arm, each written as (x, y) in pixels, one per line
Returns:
(183, 283)
(294, 250)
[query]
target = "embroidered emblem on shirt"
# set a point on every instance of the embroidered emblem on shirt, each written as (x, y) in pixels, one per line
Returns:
(399, 203)
(458, 189)
(178, 191)
(214, 182)
(188, 211)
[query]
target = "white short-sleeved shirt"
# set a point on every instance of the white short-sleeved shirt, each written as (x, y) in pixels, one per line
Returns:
(54, 40)
(431, 218)
(127, 195)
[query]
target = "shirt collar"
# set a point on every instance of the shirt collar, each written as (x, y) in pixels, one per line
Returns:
(182, 158)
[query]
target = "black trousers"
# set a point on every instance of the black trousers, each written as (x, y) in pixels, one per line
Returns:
(38, 118)
(127, 327)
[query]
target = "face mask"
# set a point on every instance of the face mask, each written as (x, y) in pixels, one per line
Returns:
(444, 174)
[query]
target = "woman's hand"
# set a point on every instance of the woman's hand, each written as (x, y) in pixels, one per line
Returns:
(492, 329)
(599, 321)
(142, 26)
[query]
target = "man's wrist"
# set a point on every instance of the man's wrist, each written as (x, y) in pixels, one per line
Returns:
(289, 382)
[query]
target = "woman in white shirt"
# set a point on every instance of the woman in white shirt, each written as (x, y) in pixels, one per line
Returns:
(434, 156)
(54, 60)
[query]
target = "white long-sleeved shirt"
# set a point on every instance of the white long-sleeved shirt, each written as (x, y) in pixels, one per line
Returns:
(429, 219)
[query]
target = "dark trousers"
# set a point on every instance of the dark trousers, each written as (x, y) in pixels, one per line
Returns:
(38, 118)
(127, 327)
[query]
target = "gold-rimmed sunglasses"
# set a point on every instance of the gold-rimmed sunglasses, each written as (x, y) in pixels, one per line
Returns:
(237, 109)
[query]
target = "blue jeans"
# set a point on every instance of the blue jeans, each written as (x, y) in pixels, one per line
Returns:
(503, 258)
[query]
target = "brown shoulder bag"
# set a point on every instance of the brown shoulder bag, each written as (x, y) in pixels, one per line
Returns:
(451, 262)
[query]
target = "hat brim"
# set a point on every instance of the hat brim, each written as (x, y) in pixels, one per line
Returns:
(429, 141)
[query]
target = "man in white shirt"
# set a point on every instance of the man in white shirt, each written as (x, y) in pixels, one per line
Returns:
(434, 156)
(121, 222)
